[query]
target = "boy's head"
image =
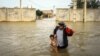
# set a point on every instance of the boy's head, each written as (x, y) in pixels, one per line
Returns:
(51, 36)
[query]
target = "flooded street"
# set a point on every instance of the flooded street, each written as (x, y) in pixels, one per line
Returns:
(32, 39)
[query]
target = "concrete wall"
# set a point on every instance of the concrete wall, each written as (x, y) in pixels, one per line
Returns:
(64, 14)
(15, 14)
(3, 14)
(93, 15)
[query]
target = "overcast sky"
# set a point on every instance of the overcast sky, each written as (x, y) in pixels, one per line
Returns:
(39, 4)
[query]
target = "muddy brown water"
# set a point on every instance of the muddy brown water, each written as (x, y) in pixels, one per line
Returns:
(32, 39)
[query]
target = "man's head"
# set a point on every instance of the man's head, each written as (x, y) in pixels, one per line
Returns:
(61, 25)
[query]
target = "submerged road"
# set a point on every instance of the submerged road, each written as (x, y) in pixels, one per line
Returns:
(32, 39)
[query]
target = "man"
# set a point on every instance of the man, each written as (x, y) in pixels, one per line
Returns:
(61, 35)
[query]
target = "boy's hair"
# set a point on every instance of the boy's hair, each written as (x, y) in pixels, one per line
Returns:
(51, 35)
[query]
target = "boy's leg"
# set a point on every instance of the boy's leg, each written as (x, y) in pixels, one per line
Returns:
(52, 49)
(56, 49)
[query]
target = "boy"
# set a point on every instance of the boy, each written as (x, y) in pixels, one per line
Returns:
(53, 43)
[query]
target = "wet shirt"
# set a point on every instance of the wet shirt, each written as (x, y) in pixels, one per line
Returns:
(60, 37)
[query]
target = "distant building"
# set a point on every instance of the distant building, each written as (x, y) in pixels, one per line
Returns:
(47, 13)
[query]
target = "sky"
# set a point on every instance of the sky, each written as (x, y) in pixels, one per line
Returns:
(39, 4)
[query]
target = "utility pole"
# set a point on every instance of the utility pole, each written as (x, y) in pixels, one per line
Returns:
(85, 10)
(53, 10)
(74, 10)
(20, 4)
(21, 9)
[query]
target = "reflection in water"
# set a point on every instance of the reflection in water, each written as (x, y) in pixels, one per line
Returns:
(32, 39)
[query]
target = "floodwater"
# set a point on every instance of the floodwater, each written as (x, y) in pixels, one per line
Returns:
(32, 39)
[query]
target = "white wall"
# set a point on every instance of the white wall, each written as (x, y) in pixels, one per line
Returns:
(14, 14)
(92, 15)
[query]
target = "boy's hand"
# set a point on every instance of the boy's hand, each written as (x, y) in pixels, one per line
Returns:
(55, 35)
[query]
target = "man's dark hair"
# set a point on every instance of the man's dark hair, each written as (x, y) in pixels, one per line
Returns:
(61, 24)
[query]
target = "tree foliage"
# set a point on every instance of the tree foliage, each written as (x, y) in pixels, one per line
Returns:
(90, 4)
(93, 4)
(39, 13)
(80, 4)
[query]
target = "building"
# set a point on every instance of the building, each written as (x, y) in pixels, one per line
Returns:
(47, 13)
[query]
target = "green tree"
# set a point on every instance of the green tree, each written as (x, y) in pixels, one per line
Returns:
(90, 4)
(38, 14)
(80, 4)
(94, 4)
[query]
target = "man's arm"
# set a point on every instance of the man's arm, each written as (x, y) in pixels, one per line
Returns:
(55, 30)
(69, 31)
